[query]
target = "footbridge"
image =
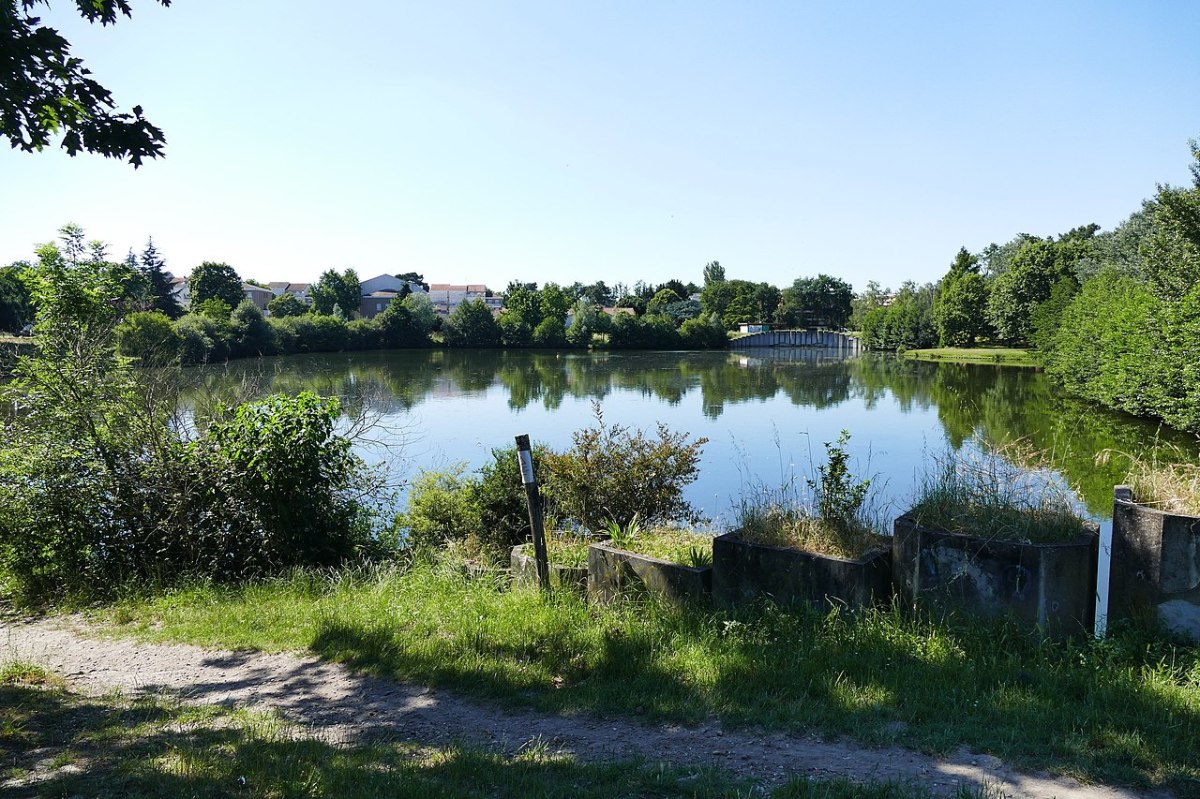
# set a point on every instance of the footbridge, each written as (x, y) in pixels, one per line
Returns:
(818, 339)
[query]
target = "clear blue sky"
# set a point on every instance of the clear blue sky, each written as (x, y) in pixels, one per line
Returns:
(622, 141)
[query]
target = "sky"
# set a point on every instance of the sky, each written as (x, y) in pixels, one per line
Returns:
(485, 142)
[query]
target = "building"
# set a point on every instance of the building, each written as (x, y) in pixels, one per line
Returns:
(447, 296)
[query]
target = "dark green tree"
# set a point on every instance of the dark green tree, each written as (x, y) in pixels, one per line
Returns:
(960, 310)
(471, 324)
(713, 273)
(820, 301)
(414, 277)
(341, 290)
(285, 305)
(45, 91)
(161, 291)
(16, 306)
(218, 281)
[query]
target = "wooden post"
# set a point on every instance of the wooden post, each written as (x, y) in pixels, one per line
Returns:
(534, 500)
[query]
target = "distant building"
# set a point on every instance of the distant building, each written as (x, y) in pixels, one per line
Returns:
(753, 327)
(447, 296)
(258, 295)
(297, 290)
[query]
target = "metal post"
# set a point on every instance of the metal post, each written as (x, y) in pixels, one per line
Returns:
(534, 500)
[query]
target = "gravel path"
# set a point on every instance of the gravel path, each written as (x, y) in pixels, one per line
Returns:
(340, 706)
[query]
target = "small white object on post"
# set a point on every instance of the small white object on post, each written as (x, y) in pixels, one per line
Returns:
(534, 500)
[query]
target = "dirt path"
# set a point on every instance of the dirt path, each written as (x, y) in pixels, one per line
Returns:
(343, 707)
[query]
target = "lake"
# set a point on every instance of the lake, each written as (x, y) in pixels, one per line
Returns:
(766, 415)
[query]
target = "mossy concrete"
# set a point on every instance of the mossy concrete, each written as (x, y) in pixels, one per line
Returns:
(613, 572)
(744, 572)
(524, 571)
(1048, 585)
(1155, 570)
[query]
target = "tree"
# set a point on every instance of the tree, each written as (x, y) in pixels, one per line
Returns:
(16, 308)
(713, 273)
(598, 293)
(820, 301)
(218, 281)
(159, 286)
(148, 335)
(285, 305)
(46, 91)
(585, 322)
(250, 332)
(422, 310)
(341, 290)
(414, 277)
(1030, 278)
(960, 310)
(471, 324)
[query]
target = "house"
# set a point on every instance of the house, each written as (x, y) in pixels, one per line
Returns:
(258, 295)
(376, 303)
(447, 296)
(297, 290)
(179, 290)
(753, 327)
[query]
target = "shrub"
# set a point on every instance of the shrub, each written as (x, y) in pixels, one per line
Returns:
(612, 474)
(441, 509)
(202, 339)
(148, 335)
(487, 513)
(251, 335)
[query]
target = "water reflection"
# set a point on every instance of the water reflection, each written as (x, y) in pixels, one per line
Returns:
(898, 410)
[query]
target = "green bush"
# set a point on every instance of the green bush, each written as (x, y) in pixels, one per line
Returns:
(612, 473)
(441, 510)
(202, 339)
(148, 335)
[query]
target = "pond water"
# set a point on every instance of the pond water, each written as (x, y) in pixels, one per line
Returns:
(766, 414)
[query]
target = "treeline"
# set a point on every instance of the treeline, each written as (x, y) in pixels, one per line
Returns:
(220, 323)
(1114, 316)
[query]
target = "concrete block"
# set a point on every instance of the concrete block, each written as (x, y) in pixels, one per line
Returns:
(524, 571)
(613, 571)
(1051, 586)
(744, 572)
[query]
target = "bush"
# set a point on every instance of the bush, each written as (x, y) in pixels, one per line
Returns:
(614, 474)
(251, 335)
(441, 510)
(148, 335)
(487, 514)
(202, 339)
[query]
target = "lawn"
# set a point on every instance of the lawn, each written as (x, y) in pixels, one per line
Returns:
(1000, 355)
(1121, 710)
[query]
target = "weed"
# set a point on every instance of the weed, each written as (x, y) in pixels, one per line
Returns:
(1170, 485)
(993, 494)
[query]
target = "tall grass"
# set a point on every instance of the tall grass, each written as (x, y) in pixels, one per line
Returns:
(1124, 709)
(1171, 485)
(832, 513)
(995, 494)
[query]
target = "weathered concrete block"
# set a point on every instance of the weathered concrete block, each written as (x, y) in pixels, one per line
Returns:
(524, 571)
(743, 572)
(1155, 568)
(1051, 586)
(613, 571)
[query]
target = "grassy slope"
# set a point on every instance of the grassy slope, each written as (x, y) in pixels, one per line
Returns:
(1121, 710)
(1000, 355)
(62, 744)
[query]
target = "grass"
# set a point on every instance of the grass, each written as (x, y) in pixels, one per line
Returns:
(1001, 355)
(995, 495)
(795, 529)
(1172, 486)
(1125, 709)
(56, 743)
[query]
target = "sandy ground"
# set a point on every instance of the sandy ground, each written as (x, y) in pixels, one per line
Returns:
(339, 706)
